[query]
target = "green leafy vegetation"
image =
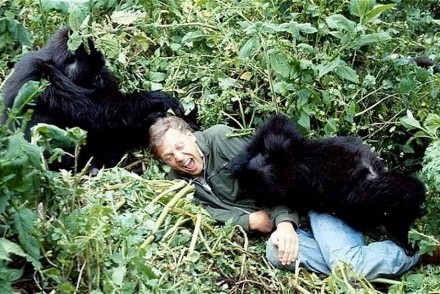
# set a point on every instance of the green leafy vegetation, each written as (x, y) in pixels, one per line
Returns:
(335, 66)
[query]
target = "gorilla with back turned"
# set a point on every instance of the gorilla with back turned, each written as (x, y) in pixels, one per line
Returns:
(338, 175)
(84, 93)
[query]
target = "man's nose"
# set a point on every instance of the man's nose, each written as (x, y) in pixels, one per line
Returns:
(179, 156)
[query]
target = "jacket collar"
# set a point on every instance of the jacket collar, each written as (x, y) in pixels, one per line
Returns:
(202, 142)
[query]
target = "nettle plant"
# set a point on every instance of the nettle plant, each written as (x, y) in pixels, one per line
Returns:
(296, 61)
(24, 184)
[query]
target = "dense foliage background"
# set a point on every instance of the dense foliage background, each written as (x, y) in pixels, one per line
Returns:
(334, 66)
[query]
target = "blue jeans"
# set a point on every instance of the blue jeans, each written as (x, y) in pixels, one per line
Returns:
(334, 241)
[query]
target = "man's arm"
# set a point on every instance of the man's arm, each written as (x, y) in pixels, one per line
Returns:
(282, 213)
(285, 237)
(223, 215)
(258, 221)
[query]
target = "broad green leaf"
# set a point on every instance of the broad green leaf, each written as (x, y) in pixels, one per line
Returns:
(77, 134)
(16, 30)
(331, 127)
(33, 153)
(371, 38)
(409, 120)
(360, 8)
(24, 224)
(4, 255)
(58, 137)
(127, 17)
(415, 280)
(76, 17)
(406, 85)
(9, 275)
(4, 199)
(248, 27)
(194, 257)
(64, 5)
(22, 35)
(303, 97)
(249, 48)
(350, 111)
(340, 23)
(75, 40)
(66, 287)
(323, 70)
(119, 274)
(13, 144)
(295, 28)
(432, 123)
(3, 24)
(435, 93)
(60, 5)
(226, 83)
(419, 134)
(157, 76)
(348, 73)
(21, 150)
(279, 63)
(156, 86)
(10, 247)
(283, 87)
(377, 10)
(291, 28)
(77, 10)
(27, 93)
(6, 286)
(307, 28)
(109, 44)
(304, 120)
(190, 37)
(268, 27)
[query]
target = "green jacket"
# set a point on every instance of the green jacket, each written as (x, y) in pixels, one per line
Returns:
(219, 195)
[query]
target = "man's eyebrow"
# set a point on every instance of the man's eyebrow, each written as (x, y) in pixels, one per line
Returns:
(167, 153)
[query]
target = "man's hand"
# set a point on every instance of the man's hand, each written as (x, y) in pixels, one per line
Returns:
(286, 239)
(260, 221)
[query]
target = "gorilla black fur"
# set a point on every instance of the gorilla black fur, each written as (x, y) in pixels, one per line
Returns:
(338, 175)
(426, 62)
(84, 93)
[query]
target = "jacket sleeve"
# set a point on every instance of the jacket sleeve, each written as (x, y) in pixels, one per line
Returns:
(223, 215)
(277, 214)
(280, 214)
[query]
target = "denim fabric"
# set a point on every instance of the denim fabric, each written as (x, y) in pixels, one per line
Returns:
(333, 241)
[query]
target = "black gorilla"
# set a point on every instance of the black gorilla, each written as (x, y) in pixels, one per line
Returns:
(84, 93)
(426, 62)
(338, 175)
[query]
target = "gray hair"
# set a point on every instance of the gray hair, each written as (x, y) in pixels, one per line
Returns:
(157, 131)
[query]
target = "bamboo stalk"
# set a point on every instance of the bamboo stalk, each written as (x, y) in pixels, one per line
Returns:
(120, 203)
(164, 213)
(193, 243)
(178, 223)
(177, 186)
(245, 247)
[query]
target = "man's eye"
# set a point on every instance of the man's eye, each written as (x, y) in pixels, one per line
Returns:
(168, 157)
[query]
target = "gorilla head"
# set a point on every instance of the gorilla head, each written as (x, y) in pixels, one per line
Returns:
(85, 66)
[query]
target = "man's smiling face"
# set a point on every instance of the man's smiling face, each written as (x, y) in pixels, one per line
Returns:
(179, 150)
